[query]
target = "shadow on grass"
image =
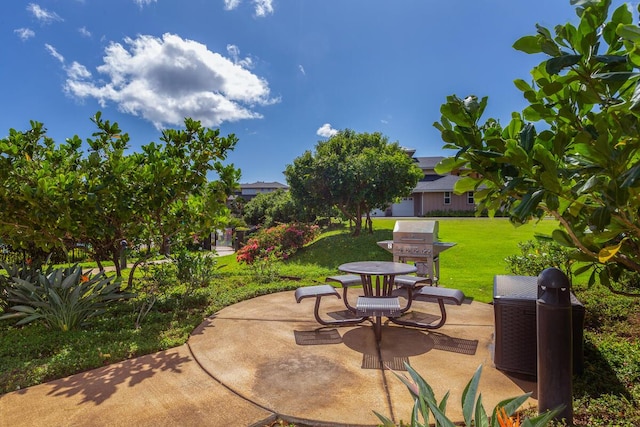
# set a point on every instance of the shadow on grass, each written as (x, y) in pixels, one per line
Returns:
(599, 377)
(337, 249)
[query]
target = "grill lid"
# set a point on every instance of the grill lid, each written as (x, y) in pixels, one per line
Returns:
(415, 232)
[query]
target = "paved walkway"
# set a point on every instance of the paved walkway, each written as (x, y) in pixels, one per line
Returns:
(219, 251)
(265, 358)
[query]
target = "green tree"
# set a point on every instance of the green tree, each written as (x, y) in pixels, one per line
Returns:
(573, 152)
(108, 208)
(276, 207)
(40, 186)
(55, 196)
(354, 172)
(176, 171)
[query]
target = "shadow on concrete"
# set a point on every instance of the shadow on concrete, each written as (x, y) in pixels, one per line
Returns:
(99, 384)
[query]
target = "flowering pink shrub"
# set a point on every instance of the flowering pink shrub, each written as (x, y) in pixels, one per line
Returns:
(278, 242)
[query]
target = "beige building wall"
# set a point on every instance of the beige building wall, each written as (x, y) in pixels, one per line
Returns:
(436, 201)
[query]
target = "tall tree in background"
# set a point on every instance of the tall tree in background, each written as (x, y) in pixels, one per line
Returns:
(273, 208)
(355, 172)
(574, 151)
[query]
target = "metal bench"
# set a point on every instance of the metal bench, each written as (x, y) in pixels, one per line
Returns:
(412, 281)
(318, 292)
(430, 294)
(345, 280)
(376, 307)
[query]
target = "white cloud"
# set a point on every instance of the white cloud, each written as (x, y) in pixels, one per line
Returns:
(234, 52)
(143, 3)
(52, 50)
(231, 4)
(301, 68)
(24, 33)
(84, 32)
(77, 71)
(326, 131)
(43, 15)
(167, 79)
(261, 7)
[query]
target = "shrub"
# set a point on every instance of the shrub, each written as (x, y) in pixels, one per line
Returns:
(277, 243)
(271, 245)
(155, 282)
(194, 269)
(538, 255)
(24, 270)
(425, 403)
(63, 298)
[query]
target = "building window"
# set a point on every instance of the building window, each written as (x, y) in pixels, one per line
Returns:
(447, 197)
(470, 198)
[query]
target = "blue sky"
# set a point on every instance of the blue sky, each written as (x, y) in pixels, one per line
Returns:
(279, 74)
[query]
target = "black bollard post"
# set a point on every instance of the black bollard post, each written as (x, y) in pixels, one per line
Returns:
(555, 348)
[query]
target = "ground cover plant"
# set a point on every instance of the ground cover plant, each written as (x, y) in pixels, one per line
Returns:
(606, 394)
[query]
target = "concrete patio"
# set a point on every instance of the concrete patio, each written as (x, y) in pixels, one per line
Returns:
(267, 358)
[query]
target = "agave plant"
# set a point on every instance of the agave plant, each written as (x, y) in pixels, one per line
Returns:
(23, 270)
(473, 410)
(64, 298)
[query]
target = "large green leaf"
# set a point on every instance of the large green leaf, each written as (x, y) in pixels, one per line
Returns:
(528, 44)
(465, 184)
(481, 419)
(555, 65)
(469, 396)
(616, 76)
(631, 176)
(611, 59)
(600, 217)
(635, 99)
(562, 238)
(629, 32)
(527, 137)
(448, 164)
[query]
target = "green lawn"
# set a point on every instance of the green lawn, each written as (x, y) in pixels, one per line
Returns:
(482, 244)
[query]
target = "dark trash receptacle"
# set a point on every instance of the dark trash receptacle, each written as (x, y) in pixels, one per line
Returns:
(514, 306)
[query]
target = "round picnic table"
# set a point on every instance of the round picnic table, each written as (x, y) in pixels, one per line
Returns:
(378, 301)
(385, 270)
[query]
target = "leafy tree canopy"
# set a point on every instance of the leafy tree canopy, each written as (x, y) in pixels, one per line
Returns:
(270, 209)
(573, 152)
(353, 172)
(56, 195)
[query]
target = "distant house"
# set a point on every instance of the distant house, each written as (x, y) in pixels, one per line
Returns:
(433, 192)
(249, 191)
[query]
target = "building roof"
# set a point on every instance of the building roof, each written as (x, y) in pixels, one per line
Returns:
(438, 185)
(262, 185)
(428, 162)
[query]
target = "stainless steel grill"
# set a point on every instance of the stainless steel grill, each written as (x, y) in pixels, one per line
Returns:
(417, 241)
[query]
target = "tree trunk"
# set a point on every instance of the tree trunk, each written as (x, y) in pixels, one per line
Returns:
(166, 246)
(133, 269)
(116, 261)
(358, 223)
